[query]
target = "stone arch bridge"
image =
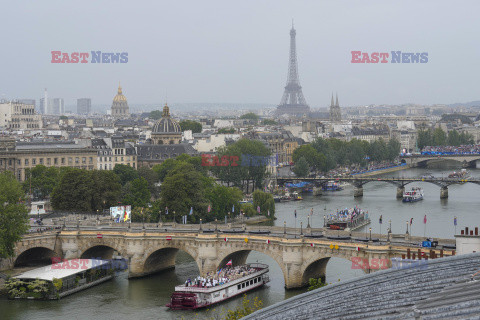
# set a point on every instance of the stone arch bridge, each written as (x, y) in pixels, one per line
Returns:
(400, 183)
(420, 160)
(149, 251)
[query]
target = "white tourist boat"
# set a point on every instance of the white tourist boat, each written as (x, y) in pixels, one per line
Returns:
(415, 194)
(195, 295)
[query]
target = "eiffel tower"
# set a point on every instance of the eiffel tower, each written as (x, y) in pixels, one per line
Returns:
(293, 101)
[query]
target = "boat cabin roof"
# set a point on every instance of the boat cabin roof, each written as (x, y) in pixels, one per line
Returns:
(62, 269)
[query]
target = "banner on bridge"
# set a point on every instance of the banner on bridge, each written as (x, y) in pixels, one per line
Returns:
(121, 213)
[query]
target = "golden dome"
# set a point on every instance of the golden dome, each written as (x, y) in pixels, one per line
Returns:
(119, 97)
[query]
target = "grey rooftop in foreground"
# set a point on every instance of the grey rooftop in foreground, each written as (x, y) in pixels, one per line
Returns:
(443, 289)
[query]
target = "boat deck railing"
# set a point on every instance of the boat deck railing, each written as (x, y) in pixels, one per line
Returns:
(261, 266)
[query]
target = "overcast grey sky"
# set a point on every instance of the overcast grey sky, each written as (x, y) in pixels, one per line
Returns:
(237, 51)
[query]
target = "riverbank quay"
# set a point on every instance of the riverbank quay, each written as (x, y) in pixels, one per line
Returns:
(440, 289)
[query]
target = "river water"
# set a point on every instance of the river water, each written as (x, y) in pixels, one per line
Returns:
(146, 298)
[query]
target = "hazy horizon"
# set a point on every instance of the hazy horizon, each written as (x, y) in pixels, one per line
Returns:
(214, 51)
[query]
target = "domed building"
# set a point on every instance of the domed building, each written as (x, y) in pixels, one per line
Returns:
(120, 106)
(166, 130)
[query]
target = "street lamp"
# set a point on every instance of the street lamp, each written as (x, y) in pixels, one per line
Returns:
(370, 234)
(284, 227)
(215, 224)
(389, 230)
(174, 220)
(301, 227)
(200, 224)
(407, 227)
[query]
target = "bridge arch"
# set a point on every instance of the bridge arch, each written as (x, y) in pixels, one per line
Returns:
(99, 251)
(163, 259)
(34, 257)
(239, 256)
(160, 257)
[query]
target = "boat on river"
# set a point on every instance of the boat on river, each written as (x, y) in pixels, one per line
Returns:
(226, 284)
(332, 186)
(462, 174)
(413, 195)
(296, 196)
(352, 218)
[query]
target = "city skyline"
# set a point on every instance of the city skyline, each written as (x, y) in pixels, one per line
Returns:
(215, 53)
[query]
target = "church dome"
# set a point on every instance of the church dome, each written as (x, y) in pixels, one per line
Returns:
(166, 124)
(119, 97)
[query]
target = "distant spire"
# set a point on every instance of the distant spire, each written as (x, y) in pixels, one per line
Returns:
(293, 27)
(336, 103)
(119, 88)
(331, 104)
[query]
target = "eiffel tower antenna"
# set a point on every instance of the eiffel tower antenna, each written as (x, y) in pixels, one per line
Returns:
(293, 102)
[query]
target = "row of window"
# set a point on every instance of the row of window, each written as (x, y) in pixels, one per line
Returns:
(105, 159)
(56, 161)
(249, 283)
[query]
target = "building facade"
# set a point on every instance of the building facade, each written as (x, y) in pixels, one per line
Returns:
(16, 115)
(84, 106)
(113, 151)
(18, 158)
(281, 144)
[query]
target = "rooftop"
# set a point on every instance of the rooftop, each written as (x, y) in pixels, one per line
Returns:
(441, 289)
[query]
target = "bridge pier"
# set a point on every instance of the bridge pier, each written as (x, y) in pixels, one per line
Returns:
(358, 192)
(400, 191)
(471, 164)
(444, 193)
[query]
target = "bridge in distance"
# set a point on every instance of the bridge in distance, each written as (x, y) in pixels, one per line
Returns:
(400, 183)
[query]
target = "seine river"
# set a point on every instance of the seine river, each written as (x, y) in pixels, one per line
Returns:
(146, 298)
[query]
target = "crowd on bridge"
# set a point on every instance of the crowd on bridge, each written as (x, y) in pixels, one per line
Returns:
(43, 229)
(223, 276)
(451, 150)
(357, 169)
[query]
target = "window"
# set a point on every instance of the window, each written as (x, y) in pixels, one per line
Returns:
(55, 161)
(90, 160)
(34, 161)
(9, 162)
(77, 160)
(41, 160)
(48, 161)
(239, 287)
(26, 162)
(70, 161)
(63, 160)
